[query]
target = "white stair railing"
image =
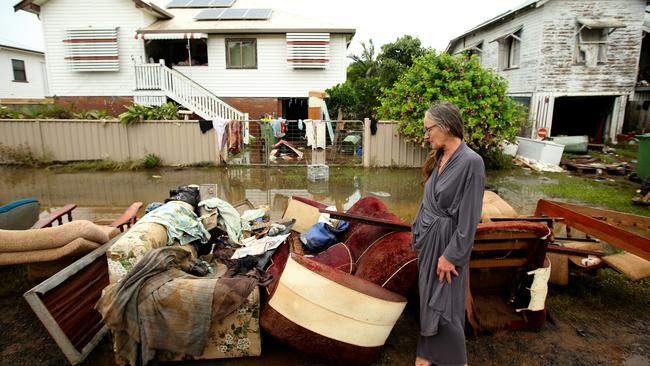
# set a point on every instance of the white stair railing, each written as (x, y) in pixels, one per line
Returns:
(185, 91)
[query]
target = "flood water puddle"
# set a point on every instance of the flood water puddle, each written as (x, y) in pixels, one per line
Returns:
(105, 195)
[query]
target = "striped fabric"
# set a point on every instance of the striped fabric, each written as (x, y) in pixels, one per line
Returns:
(92, 49)
(308, 50)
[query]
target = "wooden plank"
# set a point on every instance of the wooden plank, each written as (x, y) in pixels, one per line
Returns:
(610, 216)
(572, 251)
(614, 235)
(397, 226)
(494, 263)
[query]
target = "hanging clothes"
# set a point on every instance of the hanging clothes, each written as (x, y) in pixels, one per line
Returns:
(233, 140)
(309, 133)
(319, 131)
(300, 124)
(205, 125)
(220, 129)
(279, 127)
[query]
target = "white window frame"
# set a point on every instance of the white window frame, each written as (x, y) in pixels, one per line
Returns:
(605, 26)
(510, 49)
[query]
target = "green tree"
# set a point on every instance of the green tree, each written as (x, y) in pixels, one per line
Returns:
(480, 94)
(396, 57)
(364, 65)
(358, 97)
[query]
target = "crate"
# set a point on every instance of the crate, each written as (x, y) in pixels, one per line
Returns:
(318, 172)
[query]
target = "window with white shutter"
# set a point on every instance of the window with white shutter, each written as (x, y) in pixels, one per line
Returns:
(308, 50)
(92, 49)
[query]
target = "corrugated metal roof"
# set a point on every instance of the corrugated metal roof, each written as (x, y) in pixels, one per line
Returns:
(527, 4)
(281, 21)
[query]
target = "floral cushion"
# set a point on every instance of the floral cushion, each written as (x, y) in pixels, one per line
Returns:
(238, 335)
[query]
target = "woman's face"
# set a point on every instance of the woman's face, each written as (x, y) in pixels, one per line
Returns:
(434, 132)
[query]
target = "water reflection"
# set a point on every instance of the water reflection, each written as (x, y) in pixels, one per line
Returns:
(101, 194)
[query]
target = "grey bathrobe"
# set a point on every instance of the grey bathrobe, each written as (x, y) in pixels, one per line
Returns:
(445, 226)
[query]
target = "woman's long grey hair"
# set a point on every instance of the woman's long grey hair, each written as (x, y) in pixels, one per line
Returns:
(447, 116)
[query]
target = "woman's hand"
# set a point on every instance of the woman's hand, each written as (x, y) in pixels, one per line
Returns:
(445, 269)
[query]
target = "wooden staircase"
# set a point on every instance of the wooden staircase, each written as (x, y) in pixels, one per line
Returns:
(154, 83)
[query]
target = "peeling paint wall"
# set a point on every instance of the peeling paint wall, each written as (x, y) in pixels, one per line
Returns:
(558, 71)
(547, 58)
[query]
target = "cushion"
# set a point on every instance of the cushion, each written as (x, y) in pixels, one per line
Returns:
(337, 256)
(52, 237)
(495, 206)
(390, 263)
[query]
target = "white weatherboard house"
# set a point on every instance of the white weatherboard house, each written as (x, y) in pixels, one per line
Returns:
(218, 58)
(22, 73)
(575, 63)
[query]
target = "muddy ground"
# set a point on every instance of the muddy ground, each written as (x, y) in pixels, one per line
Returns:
(599, 319)
(596, 320)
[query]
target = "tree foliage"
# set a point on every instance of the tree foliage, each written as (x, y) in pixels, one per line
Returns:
(480, 94)
(358, 97)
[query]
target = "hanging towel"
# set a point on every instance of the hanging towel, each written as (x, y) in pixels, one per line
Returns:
(219, 125)
(220, 129)
(205, 125)
(309, 133)
(319, 131)
(300, 124)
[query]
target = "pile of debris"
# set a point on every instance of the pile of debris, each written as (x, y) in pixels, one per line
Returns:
(591, 165)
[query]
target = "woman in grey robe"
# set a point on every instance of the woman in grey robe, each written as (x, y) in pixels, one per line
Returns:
(443, 235)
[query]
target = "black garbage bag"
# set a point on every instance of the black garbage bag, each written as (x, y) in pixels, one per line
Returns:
(186, 194)
(645, 186)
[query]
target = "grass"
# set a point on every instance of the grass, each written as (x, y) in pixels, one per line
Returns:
(22, 155)
(615, 195)
(148, 162)
(608, 292)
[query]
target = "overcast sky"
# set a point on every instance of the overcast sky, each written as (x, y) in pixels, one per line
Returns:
(435, 22)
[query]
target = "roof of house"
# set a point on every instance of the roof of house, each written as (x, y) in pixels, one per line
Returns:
(34, 6)
(5, 43)
(178, 20)
(528, 4)
(280, 21)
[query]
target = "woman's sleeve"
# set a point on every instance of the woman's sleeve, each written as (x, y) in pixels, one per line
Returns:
(469, 215)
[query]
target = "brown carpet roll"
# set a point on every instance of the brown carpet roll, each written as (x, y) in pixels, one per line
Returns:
(77, 247)
(52, 237)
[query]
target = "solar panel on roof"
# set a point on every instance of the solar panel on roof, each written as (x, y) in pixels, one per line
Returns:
(222, 3)
(234, 14)
(259, 13)
(209, 14)
(178, 3)
(201, 3)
